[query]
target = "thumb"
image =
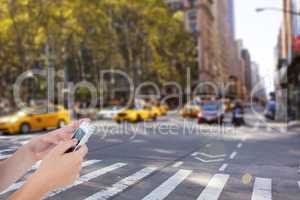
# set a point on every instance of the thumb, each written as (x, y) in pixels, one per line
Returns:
(62, 147)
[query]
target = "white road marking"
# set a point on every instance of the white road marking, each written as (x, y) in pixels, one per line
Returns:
(2, 157)
(122, 185)
(19, 184)
(208, 145)
(223, 167)
(239, 145)
(177, 164)
(209, 161)
(90, 176)
(262, 189)
(232, 156)
(14, 186)
(299, 184)
(195, 154)
(214, 188)
(212, 156)
(168, 186)
(7, 150)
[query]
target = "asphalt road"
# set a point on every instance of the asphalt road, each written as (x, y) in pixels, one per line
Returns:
(176, 159)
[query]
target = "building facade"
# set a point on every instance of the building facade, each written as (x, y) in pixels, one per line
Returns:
(248, 75)
(288, 63)
(220, 58)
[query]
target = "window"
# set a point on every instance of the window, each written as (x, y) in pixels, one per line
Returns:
(193, 26)
(192, 15)
(192, 3)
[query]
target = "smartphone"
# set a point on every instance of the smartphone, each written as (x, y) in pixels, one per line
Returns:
(82, 135)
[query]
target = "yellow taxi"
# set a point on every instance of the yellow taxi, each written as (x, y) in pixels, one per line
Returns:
(134, 113)
(35, 118)
(163, 109)
(190, 110)
(155, 112)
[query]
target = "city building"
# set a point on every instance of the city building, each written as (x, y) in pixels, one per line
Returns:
(288, 63)
(231, 16)
(248, 75)
(221, 58)
(209, 21)
(257, 84)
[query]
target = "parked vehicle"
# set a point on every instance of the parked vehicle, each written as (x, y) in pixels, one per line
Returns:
(34, 118)
(190, 110)
(212, 112)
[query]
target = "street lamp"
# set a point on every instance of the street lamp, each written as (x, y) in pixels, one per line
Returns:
(277, 9)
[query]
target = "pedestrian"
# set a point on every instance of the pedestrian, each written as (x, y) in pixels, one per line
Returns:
(58, 169)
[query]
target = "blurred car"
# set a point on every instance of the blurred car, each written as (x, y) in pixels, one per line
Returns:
(229, 106)
(212, 112)
(155, 112)
(134, 113)
(163, 109)
(109, 112)
(190, 110)
(34, 118)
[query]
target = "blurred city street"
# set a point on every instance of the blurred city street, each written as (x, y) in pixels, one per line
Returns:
(257, 161)
(150, 100)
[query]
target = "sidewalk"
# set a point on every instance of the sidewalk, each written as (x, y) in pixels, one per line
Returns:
(294, 125)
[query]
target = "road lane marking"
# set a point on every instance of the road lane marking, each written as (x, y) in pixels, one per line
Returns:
(262, 189)
(223, 167)
(84, 164)
(209, 161)
(7, 150)
(122, 185)
(208, 145)
(214, 188)
(212, 156)
(239, 145)
(177, 164)
(168, 186)
(299, 184)
(90, 176)
(2, 157)
(19, 184)
(195, 154)
(232, 156)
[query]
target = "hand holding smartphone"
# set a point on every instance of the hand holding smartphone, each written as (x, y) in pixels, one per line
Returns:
(82, 135)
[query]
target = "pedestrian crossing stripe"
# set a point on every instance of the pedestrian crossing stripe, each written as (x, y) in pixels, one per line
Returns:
(90, 176)
(122, 185)
(214, 188)
(262, 189)
(19, 184)
(7, 150)
(2, 157)
(168, 186)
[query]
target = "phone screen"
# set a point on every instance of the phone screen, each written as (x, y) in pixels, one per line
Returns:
(78, 135)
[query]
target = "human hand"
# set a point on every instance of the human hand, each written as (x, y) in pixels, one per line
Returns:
(60, 169)
(42, 145)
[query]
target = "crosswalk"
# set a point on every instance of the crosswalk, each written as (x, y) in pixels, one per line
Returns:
(93, 169)
(262, 189)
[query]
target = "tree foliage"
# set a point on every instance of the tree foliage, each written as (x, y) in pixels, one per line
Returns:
(83, 37)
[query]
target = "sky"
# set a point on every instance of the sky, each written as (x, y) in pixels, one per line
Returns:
(259, 32)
